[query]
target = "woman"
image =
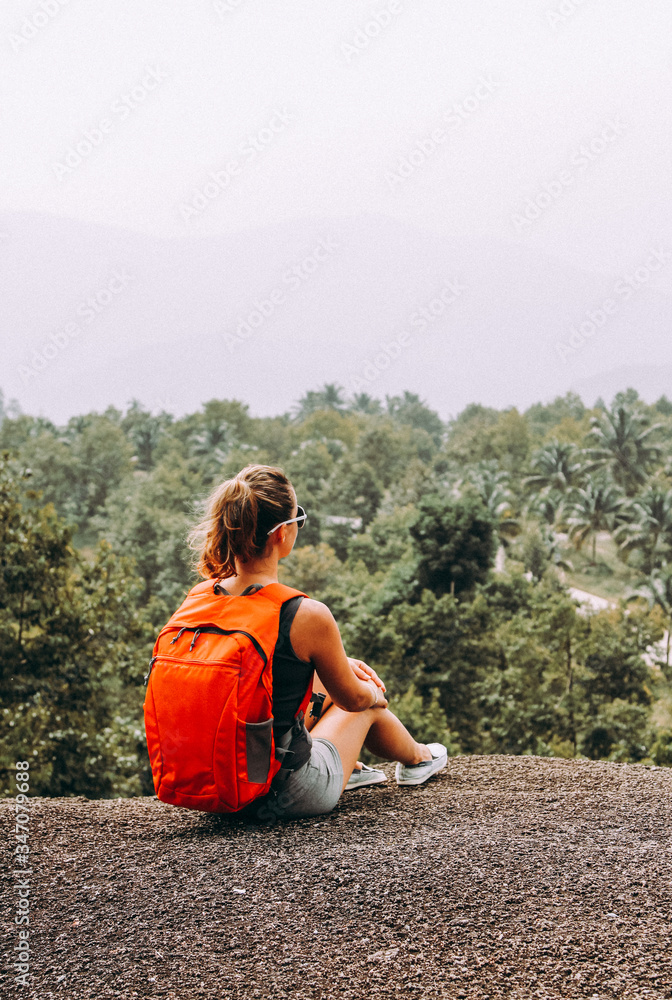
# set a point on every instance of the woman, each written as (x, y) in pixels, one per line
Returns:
(252, 522)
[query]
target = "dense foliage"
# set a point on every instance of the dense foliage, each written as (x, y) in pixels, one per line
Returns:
(444, 550)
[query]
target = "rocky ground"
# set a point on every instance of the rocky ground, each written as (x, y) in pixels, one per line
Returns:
(516, 877)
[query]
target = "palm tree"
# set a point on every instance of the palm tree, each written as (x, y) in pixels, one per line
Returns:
(554, 552)
(363, 403)
(213, 442)
(544, 507)
(540, 548)
(492, 485)
(650, 529)
(620, 441)
(590, 509)
(657, 590)
(329, 397)
(556, 468)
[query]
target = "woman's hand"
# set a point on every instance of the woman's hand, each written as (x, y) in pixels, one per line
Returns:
(366, 673)
(353, 685)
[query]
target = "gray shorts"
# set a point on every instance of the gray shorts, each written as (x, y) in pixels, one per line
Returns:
(312, 790)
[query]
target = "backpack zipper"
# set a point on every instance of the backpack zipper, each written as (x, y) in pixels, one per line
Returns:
(215, 630)
(151, 664)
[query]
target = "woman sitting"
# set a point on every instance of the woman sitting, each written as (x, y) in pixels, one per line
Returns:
(251, 523)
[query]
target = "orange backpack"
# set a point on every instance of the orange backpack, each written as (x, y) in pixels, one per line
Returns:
(208, 707)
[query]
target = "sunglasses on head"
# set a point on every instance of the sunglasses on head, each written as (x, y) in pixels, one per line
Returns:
(300, 520)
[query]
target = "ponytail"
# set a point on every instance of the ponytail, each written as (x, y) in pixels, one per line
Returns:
(238, 516)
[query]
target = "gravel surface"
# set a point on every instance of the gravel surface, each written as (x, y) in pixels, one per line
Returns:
(516, 877)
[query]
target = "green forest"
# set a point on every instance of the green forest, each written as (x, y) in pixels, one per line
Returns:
(446, 550)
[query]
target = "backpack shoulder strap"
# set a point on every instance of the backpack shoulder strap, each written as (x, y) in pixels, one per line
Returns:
(277, 593)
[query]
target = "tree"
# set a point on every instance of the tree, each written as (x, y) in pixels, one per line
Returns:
(212, 443)
(144, 431)
(312, 568)
(72, 652)
(540, 549)
(363, 403)
(468, 434)
(273, 436)
(517, 712)
(545, 507)
(650, 528)
(425, 719)
(454, 541)
(329, 397)
(509, 440)
(16, 431)
(657, 591)
(483, 434)
(492, 486)
(664, 406)
(410, 409)
(102, 457)
(353, 491)
(543, 418)
(55, 471)
(389, 449)
(619, 441)
(590, 509)
(309, 469)
(616, 686)
(386, 541)
(436, 644)
(629, 398)
(555, 468)
(147, 518)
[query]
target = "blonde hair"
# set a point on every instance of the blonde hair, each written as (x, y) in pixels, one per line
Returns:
(238, 516)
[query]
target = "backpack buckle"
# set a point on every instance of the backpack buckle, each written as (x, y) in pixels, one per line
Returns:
(316, 703)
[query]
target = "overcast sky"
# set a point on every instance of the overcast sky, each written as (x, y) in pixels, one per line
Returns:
(545, 123)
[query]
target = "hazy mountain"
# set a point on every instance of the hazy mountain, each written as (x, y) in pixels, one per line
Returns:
(114, 314)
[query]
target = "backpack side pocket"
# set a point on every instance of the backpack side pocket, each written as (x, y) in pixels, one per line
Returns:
(258, 745)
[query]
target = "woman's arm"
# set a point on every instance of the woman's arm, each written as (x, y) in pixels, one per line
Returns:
(314, 636)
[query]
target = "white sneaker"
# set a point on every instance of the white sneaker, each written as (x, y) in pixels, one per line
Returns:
(365, 776)
(415, 774)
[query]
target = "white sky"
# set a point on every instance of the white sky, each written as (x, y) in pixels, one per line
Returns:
(227, 71)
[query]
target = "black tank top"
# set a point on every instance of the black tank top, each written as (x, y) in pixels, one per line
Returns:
(291, 676)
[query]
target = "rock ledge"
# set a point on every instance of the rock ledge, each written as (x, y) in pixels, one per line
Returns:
(516, 877)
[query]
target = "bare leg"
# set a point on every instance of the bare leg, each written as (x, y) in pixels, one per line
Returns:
(327, 703)
(377, 728)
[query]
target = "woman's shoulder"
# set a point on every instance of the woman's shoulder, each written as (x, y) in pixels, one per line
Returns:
(313, 624)
(313, 612)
